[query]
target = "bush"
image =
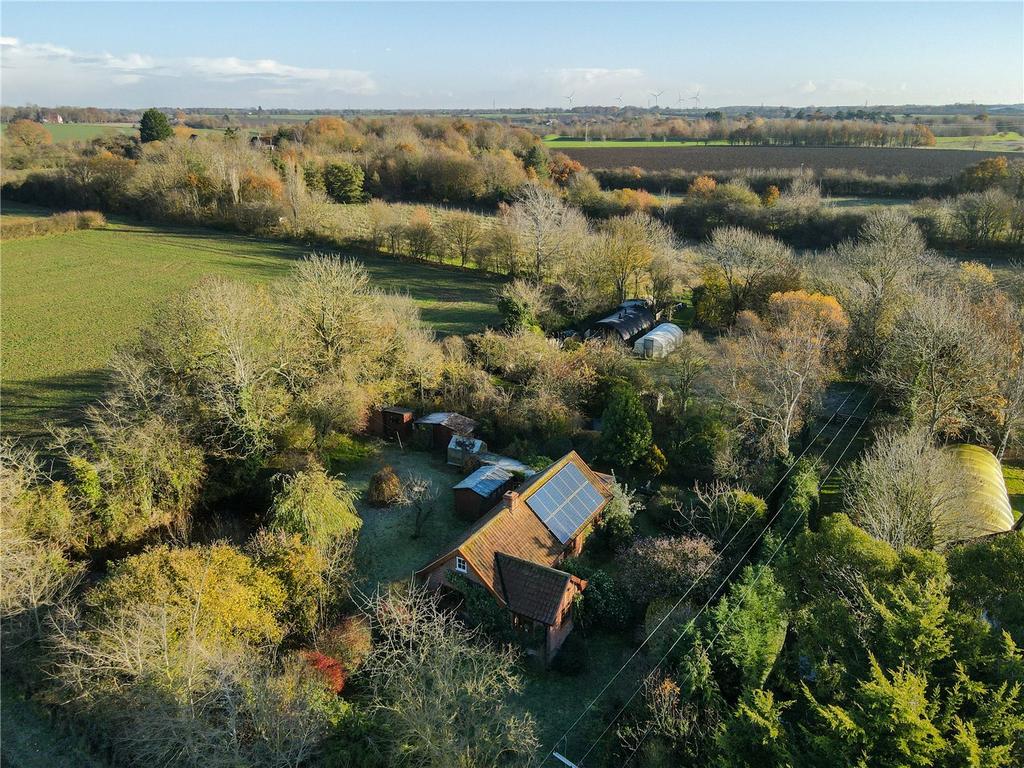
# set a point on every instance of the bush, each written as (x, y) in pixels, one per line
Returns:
(350, 641)
(667, 566)
(616, 524)
(385, 488)
(603, 603)
(301, 571)
(56, 224)
(692, 440)
(329, 669)
(799, 499)
(663, 635)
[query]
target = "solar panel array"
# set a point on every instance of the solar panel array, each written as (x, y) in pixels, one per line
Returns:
(565, 502)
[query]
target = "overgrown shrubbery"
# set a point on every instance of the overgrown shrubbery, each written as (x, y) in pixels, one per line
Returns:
(15, 227)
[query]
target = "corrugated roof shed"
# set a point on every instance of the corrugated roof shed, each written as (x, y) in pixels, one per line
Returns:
(532, 590)
(485, 481)
(454, 421)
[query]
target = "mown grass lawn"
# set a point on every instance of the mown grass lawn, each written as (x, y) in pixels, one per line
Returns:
(387, 551)
(1007, 141)
(68, 300)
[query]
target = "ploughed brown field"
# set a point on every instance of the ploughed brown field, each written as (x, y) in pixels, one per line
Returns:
(915, 163)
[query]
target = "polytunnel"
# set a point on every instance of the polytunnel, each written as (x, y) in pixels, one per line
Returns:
(983, 507)
(659, 341)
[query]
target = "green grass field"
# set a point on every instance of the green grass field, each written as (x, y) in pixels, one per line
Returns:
(1009, 141)
(84, 131)
(69, 300)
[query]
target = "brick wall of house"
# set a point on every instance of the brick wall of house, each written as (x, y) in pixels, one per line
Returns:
(438, 575)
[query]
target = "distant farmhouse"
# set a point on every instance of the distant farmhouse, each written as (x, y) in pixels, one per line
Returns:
(514, 550)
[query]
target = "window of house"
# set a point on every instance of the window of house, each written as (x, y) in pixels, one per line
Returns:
(460, 564)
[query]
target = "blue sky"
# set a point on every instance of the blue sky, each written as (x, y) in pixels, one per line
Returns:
(446, 55)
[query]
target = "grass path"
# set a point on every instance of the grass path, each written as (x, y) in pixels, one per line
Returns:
(68, 300)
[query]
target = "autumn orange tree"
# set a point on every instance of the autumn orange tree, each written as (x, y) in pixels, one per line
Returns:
(27, 134)
(771, 369)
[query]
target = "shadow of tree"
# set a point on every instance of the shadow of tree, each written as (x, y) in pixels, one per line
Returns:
(26, 407)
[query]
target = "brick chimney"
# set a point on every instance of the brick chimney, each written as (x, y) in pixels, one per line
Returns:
(511, 499)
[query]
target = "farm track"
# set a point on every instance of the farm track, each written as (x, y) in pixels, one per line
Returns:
(915, 163)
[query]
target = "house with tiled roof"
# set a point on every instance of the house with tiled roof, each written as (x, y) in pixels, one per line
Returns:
(514, 550)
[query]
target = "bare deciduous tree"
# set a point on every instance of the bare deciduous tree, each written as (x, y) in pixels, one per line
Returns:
(548, 229)
(442, 694)
(938, 361)
(418, 494)
(750, 265)
(905, 491)
(770, 376)
(462, 232)
(872, 275)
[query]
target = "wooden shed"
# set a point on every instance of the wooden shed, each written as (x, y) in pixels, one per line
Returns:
(481, 490)
(435, 430)
(392, 423)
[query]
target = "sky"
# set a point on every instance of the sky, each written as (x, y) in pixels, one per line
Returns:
(426, 55)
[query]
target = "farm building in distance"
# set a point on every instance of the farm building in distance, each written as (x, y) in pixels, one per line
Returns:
(659, 342)
(986, 508)
(481, 490)
(631, 319)
(435, 430)
(514, 550)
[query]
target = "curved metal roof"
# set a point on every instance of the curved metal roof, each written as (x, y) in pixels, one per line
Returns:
(627, 322)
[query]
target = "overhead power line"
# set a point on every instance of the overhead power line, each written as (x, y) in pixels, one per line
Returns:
(739, 603)
(696, 581)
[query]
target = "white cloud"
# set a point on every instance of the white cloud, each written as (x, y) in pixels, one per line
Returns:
(50, 73)
(233, 69)
(809, 87)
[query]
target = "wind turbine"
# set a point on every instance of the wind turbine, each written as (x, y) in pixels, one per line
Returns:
(656, 95)
(696, 99)
(569, 98)
(680, 100)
